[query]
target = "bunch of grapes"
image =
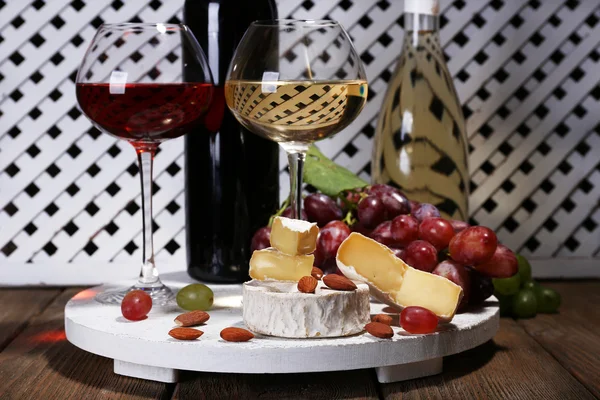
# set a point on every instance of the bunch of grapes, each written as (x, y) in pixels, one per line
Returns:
(469, 256)
(522, 297)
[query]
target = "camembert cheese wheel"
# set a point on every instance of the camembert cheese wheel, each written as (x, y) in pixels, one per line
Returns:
(279, 309)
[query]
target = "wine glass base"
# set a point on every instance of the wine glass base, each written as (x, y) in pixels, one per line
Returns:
(161, 295)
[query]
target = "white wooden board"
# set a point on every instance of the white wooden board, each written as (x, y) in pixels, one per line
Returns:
(136, 346)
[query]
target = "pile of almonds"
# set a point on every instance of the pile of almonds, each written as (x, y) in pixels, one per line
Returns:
(380, 326)
(195, 318)
(308, 284)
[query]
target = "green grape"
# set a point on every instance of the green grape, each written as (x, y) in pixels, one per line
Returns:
(507, 286)
(533, 285)
(505, 303)
(548, 300)
(524, 268)
(195, 297)
(524, 304)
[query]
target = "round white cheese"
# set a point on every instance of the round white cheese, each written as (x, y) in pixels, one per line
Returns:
(278, 309)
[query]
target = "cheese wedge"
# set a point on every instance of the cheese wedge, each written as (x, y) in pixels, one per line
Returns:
(394, 282)
(294, 236)
(271, 264)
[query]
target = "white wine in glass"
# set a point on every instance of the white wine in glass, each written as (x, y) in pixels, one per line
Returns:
(306, 85)
(296, 111)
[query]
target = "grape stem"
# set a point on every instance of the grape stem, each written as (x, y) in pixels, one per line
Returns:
(284, 205)
(349, 218)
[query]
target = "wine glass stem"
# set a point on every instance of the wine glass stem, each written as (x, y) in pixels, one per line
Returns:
(296, 163)
(149, 273)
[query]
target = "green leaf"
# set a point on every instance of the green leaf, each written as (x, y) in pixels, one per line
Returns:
(327, 176)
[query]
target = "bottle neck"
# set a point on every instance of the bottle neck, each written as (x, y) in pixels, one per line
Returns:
(415, 24)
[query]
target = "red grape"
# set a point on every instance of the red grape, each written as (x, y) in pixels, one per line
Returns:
(395, 204)
(436, 231)
(398, 252)
(458, 274)
(424, 211)
(329, 266)
(503, 264)
(288, 213)
(319, 258)
(413, 206)
(474, 245)
(383, 234)
(458, 225)
(481, 287)
(321, 209)
(371, 211)
(330, 238)
(136, 305)
(360, 228)
(421, 255)
(379, 188)
(261, 239)
(418, 320)
(394, 201)
(405, 229)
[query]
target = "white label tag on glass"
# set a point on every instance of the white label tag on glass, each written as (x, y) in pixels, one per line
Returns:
(429, 7)
(269, 82)
(118, 79)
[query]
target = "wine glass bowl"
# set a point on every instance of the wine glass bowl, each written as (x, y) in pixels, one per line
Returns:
(131, 86)
(296, 82)
(142, 98)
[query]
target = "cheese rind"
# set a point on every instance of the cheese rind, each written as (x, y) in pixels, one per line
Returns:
(271, 264)
(293, 237)
(279, 309)
(394, 282)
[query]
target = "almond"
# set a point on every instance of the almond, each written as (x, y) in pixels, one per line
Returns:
(192, 318)
(383, 318)
(236, 335)
(317, 273)
(307, 284)
(379, 330)
(338, 282)
(185, 333)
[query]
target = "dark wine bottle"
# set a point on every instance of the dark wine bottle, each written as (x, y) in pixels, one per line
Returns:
(231, 174)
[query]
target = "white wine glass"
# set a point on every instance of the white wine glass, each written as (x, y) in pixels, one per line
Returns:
(296, 82)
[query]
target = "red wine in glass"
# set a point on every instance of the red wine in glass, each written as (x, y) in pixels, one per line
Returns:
(145, 112)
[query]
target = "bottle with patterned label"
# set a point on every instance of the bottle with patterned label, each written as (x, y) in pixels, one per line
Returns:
(420, 143)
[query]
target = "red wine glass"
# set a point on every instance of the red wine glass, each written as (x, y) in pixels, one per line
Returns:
(124, 89)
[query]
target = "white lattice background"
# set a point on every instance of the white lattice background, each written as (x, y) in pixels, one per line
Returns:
(526, 73)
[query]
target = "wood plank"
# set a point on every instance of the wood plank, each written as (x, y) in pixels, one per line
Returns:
(18, 306)
(571, 336)
(358, 384)
(511, 366)
(41, 364)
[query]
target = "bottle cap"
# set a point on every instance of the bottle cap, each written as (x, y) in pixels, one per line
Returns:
(430, 7)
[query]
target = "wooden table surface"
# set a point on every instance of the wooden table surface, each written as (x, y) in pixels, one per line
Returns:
(547, 357)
